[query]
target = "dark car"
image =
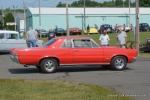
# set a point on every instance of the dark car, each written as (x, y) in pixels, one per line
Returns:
(106, 27)
(146, 46)
(51, 35)
(59, 31)
(42, 33)
(144, 27)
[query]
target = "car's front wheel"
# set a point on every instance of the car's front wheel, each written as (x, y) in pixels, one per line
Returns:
(49, 65)
(119, 63)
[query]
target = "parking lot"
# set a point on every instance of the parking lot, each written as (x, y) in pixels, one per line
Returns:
(132, 82)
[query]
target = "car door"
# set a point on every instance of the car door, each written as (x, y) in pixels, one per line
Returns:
(66, 52)
(2, 40)
(85, 52)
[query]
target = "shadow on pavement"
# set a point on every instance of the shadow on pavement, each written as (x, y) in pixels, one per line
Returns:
(4, 53)
(63, 69)
(23, 70)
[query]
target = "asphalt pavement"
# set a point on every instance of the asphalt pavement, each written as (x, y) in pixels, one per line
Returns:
(133, 82)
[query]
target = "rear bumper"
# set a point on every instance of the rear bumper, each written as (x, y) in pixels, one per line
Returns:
(14, 58)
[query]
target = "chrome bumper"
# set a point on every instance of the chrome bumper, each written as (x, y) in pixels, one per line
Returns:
(14, 58)
(134, 59)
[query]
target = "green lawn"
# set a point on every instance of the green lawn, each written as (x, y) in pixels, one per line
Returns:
(54, 90)
(113, 40)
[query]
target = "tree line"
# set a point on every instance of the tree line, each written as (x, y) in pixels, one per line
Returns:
(113, 3)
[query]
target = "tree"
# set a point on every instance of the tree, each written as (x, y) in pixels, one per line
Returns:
(9, 18)
(1, 25)
(60, 4)
(144, 3)
(113, 3)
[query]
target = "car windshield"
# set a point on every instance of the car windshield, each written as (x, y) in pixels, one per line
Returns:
(50, 42)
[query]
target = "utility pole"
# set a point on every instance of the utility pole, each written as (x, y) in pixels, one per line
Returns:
(24, 16)
(84, 16)
(123, 3)
(40, 14)
(14, 7)
(67, 19)
(3, 15)
(114, 2)
(137, 26)
(129, 13)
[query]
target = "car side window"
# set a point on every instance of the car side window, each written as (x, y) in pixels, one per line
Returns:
(1, 35)
(67, 44)
(82, 43)
(11, 36)
(94, 45)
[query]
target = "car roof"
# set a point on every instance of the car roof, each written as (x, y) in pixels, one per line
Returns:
(73, 37)
(8, 31)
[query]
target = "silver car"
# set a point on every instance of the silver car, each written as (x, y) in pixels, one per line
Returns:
(12, 39)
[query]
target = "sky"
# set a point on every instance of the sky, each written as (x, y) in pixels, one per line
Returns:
(33, 3)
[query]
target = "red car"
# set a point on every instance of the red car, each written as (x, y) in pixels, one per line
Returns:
(75, 31)
(73, 50)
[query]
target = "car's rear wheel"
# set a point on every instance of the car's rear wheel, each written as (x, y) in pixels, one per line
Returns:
(49, 65)
(119, 63)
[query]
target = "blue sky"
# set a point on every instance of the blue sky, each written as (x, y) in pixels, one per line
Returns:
(33, 3)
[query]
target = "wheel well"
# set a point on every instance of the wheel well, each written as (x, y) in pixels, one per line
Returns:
(50, 58)
(121, 56)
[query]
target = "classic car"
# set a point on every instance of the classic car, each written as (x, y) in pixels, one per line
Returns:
(144, 27)
(92, 30)
(75, 31)
(106, 27)
(59, 31)
(146, 46)
(73, 50)
(12, 39)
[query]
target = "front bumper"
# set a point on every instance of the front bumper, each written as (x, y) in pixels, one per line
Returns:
(134, 59)
(14, 58)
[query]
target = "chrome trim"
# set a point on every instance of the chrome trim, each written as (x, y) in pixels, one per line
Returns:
(85, 64)
(14, 58)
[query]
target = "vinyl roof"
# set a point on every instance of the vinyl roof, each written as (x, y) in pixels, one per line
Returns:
(45, 10)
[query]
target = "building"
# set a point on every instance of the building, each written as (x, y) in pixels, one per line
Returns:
(19, 17)
(49, 18)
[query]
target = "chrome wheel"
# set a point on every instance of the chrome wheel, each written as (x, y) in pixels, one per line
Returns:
(119, 63)
(49, 65)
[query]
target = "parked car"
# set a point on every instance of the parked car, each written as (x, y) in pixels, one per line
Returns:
(59, 31)
(42, 33)
(51, 35)
(75, 31)
(92, 30)
(146, 46)
(12, 39)
(106, 27)
(73, 50)
(144, 27)
(122, 27)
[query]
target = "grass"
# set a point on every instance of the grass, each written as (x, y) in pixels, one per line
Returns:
(113, 40)
(54, 90)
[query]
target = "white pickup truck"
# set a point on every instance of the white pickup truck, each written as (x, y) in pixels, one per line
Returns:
(12, 39)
